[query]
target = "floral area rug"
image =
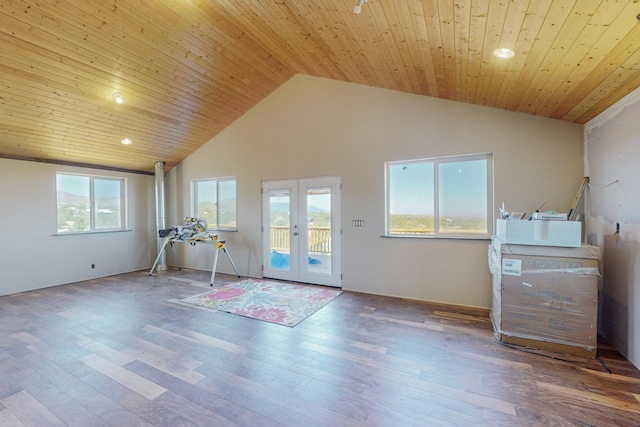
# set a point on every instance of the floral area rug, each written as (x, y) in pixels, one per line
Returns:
(280, 303)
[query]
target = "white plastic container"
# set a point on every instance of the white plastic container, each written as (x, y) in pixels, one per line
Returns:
(539, 232)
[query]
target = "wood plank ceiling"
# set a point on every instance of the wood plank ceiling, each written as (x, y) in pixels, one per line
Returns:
(188, 68)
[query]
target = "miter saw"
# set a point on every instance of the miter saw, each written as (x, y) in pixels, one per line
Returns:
(191, 230)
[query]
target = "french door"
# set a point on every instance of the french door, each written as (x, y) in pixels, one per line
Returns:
(301, 230)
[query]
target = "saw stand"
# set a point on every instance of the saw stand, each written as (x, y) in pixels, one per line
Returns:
(218, 245)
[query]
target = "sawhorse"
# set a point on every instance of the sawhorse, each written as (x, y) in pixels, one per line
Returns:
(218, 244)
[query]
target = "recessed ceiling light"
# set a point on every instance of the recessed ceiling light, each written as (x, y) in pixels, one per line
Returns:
(503, 52)
(118, 98)
(127, 141)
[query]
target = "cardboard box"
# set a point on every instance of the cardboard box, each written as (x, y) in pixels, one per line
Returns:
(545, 297)
(551, 307)
(540, 233)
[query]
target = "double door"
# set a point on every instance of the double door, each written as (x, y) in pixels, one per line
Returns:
(301, 230)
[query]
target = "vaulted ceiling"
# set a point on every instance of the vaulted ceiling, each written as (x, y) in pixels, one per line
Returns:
(187, 69)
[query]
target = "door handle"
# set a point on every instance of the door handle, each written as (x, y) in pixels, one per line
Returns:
(295, 233)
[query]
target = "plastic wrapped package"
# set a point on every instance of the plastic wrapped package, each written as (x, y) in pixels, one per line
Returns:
(545, 297)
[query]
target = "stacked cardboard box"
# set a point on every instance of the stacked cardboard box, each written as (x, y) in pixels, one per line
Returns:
(546, 297)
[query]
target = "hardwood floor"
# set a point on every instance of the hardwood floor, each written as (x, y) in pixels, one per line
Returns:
(123, 351)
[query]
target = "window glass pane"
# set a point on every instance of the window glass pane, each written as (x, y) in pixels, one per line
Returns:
(108, 196)
(445, 196)
(411, 198)
(73, 203)
(462, 197)
(214, 200)
(205, 202)
(227, 203)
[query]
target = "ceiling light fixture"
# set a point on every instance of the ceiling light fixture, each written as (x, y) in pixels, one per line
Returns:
(504, 53)
(358, 7)
(118, 98)
(127, 141)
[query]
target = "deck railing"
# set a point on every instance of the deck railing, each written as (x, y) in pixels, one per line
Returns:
(319, 239)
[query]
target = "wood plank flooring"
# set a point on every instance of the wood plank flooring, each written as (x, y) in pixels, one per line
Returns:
(123, 351)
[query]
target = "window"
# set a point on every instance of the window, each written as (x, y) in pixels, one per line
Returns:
(442, 197)
(214, 200)
(90, 203)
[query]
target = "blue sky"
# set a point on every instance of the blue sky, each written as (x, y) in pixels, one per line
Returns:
(79, 186)
(73, 184)
(462, 188)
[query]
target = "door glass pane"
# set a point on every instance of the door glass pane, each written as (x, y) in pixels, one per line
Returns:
(279, 229)
(318, 211)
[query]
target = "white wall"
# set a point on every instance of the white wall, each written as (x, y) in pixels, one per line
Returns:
(317, 127)
(612, 161)
(32, 257)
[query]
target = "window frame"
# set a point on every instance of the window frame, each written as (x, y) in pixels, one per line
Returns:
(194, 201)
(92, 203)
(437, 161)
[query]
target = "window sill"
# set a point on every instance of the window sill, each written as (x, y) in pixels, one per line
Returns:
(466, 237)
(76, 233)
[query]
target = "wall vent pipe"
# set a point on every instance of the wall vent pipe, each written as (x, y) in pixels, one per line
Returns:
(160, 212)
